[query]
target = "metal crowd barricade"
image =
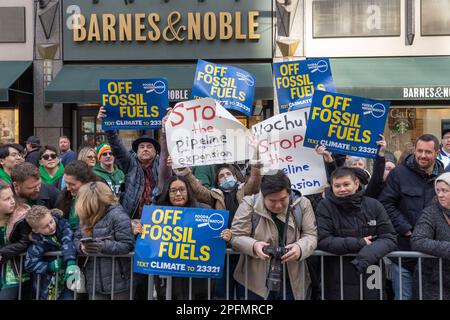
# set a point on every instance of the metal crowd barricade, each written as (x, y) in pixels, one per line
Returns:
(169, 290)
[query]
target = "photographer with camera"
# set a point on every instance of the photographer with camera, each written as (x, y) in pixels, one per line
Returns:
(266, 242)
(350, 222)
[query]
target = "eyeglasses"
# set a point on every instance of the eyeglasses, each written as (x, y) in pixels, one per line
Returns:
(107, 153)
(48, 156)
(91, 157)
(180, 190)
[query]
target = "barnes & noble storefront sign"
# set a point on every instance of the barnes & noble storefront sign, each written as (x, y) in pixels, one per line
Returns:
(167, 29)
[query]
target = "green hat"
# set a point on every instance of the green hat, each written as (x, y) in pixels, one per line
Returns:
(102, 148)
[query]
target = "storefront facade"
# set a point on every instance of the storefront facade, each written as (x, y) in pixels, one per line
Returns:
(396, 50)
(16, 71)
(144, 39)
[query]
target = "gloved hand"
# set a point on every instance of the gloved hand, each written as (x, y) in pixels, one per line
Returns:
(70, 269)
(93, 247)
(56, 265)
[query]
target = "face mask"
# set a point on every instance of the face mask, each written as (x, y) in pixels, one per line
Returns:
(228, 183)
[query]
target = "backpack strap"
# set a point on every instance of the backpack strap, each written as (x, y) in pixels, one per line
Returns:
(255, 217)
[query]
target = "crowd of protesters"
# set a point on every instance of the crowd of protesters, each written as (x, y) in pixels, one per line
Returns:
(90, 203)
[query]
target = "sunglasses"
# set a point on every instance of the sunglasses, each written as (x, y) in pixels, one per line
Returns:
(107, 153)
(48, 156)
(91, 157)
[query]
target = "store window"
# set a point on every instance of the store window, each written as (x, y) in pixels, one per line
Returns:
(9, 125)
(405, 125)
(367, 18)
(435, 17)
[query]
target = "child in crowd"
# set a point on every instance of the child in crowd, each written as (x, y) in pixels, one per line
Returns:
(50, 232)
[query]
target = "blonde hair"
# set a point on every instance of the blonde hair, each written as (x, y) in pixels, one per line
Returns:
(83, 154)
(35, 215)
(92, 202)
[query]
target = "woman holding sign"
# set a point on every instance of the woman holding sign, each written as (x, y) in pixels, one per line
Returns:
(351, 223)
(177, 192)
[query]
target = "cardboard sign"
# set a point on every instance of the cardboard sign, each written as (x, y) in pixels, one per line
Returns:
(181, 242)
(346, 124)
(280, 145)
(201, 132)
(232, 87)
(296, 81)
(137, 104)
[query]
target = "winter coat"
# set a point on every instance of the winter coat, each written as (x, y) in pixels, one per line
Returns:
(375, 185)
(17, 233)
(134, 174)
(215, 197)
(244, 237)
(341, 232)
(47, 197)
(115, 223)
(36, 262)
(432, 236)
(67, 157)
(33, 157)
(115, 179)
(407, 192)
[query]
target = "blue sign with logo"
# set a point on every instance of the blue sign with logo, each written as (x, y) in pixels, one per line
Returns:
(182, 242)
(346, 124)
(296, 81)
(136, 104)
(232, 87)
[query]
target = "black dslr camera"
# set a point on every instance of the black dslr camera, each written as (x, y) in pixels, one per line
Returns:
(273, 281)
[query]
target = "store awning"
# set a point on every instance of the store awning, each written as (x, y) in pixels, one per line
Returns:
(80, 83)
(10, 71)
(415, 78)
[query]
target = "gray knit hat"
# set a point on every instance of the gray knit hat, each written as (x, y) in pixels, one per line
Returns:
(445, 177)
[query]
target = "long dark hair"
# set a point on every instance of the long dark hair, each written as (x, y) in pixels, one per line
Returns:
(164, 199)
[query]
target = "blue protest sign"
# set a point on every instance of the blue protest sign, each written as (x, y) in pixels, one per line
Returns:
(346, 124)
(232, 87)
(137, 104)
(182, 242)
(296, 81)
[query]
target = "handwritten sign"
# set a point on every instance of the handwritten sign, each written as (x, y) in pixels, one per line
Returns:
(201, 132)
(280, 145)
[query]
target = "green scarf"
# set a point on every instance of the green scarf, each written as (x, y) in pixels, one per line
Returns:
(4, 176)
(51, 180)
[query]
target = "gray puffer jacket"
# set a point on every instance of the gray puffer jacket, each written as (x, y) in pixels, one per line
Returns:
(117, 224)
(134, 174)
(432, 236)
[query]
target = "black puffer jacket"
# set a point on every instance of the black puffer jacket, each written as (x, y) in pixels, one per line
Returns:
(341, 231)
(117, 224)
(432, 236)
(407, 192)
